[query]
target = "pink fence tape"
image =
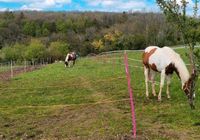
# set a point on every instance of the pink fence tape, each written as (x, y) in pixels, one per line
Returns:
(130, 94)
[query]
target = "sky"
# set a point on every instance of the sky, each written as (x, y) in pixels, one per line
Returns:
(81, 5)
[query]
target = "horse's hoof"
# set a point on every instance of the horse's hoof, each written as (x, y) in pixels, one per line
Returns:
(159, 99)
(154, 95)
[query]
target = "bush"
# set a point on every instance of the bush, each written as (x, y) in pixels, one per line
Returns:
(132, 42)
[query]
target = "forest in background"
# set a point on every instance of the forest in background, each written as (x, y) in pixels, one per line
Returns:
(36, 35)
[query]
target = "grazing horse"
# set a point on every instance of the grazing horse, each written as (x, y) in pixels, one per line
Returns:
(166, 61)
(70, 57)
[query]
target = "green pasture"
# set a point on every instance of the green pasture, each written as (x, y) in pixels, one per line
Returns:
(90, 101)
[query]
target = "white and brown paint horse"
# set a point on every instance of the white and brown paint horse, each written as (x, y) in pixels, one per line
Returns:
(71, 57)
(165, 60)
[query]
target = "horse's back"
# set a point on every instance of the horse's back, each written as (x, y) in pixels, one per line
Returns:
(70, 57)
(170, 52)
(148, 52)
(150, 48)
(156, 58)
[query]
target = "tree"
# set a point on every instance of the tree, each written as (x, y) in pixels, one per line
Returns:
(111, 39)
(188, 26)
(19, 50)
(9, 54)
(9, 15)
(63, 26)
(46, 28)
(80, 29)
(98, 45)
(58, 50)
(36, 50)
(29, 28)
(15, 52)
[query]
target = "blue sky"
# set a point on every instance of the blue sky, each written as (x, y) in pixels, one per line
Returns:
(80, 5)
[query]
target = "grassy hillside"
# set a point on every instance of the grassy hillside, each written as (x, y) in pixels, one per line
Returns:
(90, 101)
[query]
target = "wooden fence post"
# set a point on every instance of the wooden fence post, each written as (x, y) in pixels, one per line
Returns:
(11, 69)
(25, 63)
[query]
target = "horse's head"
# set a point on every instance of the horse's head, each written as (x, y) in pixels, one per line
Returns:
(66, 63)
(188, 88)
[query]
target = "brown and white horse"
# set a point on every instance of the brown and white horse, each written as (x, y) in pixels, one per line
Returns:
(71, 57)
(165, 60)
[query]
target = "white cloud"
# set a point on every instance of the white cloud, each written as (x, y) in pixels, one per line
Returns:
(3, 9)
(101, 2)
(39, 4)
(45, 4)
(24, 1)
(132, 5)
(25, 7)
(118, 5)
(32, 1)
(108, 3)
(94, 5)
(190, 2)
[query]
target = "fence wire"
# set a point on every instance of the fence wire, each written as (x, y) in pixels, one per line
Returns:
(109, 59)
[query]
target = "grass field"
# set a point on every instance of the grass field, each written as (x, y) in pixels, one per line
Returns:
(90, 101)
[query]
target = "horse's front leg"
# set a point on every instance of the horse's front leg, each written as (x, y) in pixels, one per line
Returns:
(66, 63)
(153, 82)
(168, 77)
(162, 81)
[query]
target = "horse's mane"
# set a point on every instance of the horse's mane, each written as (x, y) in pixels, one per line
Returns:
(179, 63)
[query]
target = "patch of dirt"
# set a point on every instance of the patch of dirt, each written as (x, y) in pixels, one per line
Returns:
(7, 75)
(80, 124)
(164, 131)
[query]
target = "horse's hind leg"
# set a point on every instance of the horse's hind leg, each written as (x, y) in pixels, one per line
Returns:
(146, 74)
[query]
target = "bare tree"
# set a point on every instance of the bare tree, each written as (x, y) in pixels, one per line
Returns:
(188, 26)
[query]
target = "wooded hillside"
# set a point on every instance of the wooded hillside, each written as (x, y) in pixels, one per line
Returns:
(28, 35)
